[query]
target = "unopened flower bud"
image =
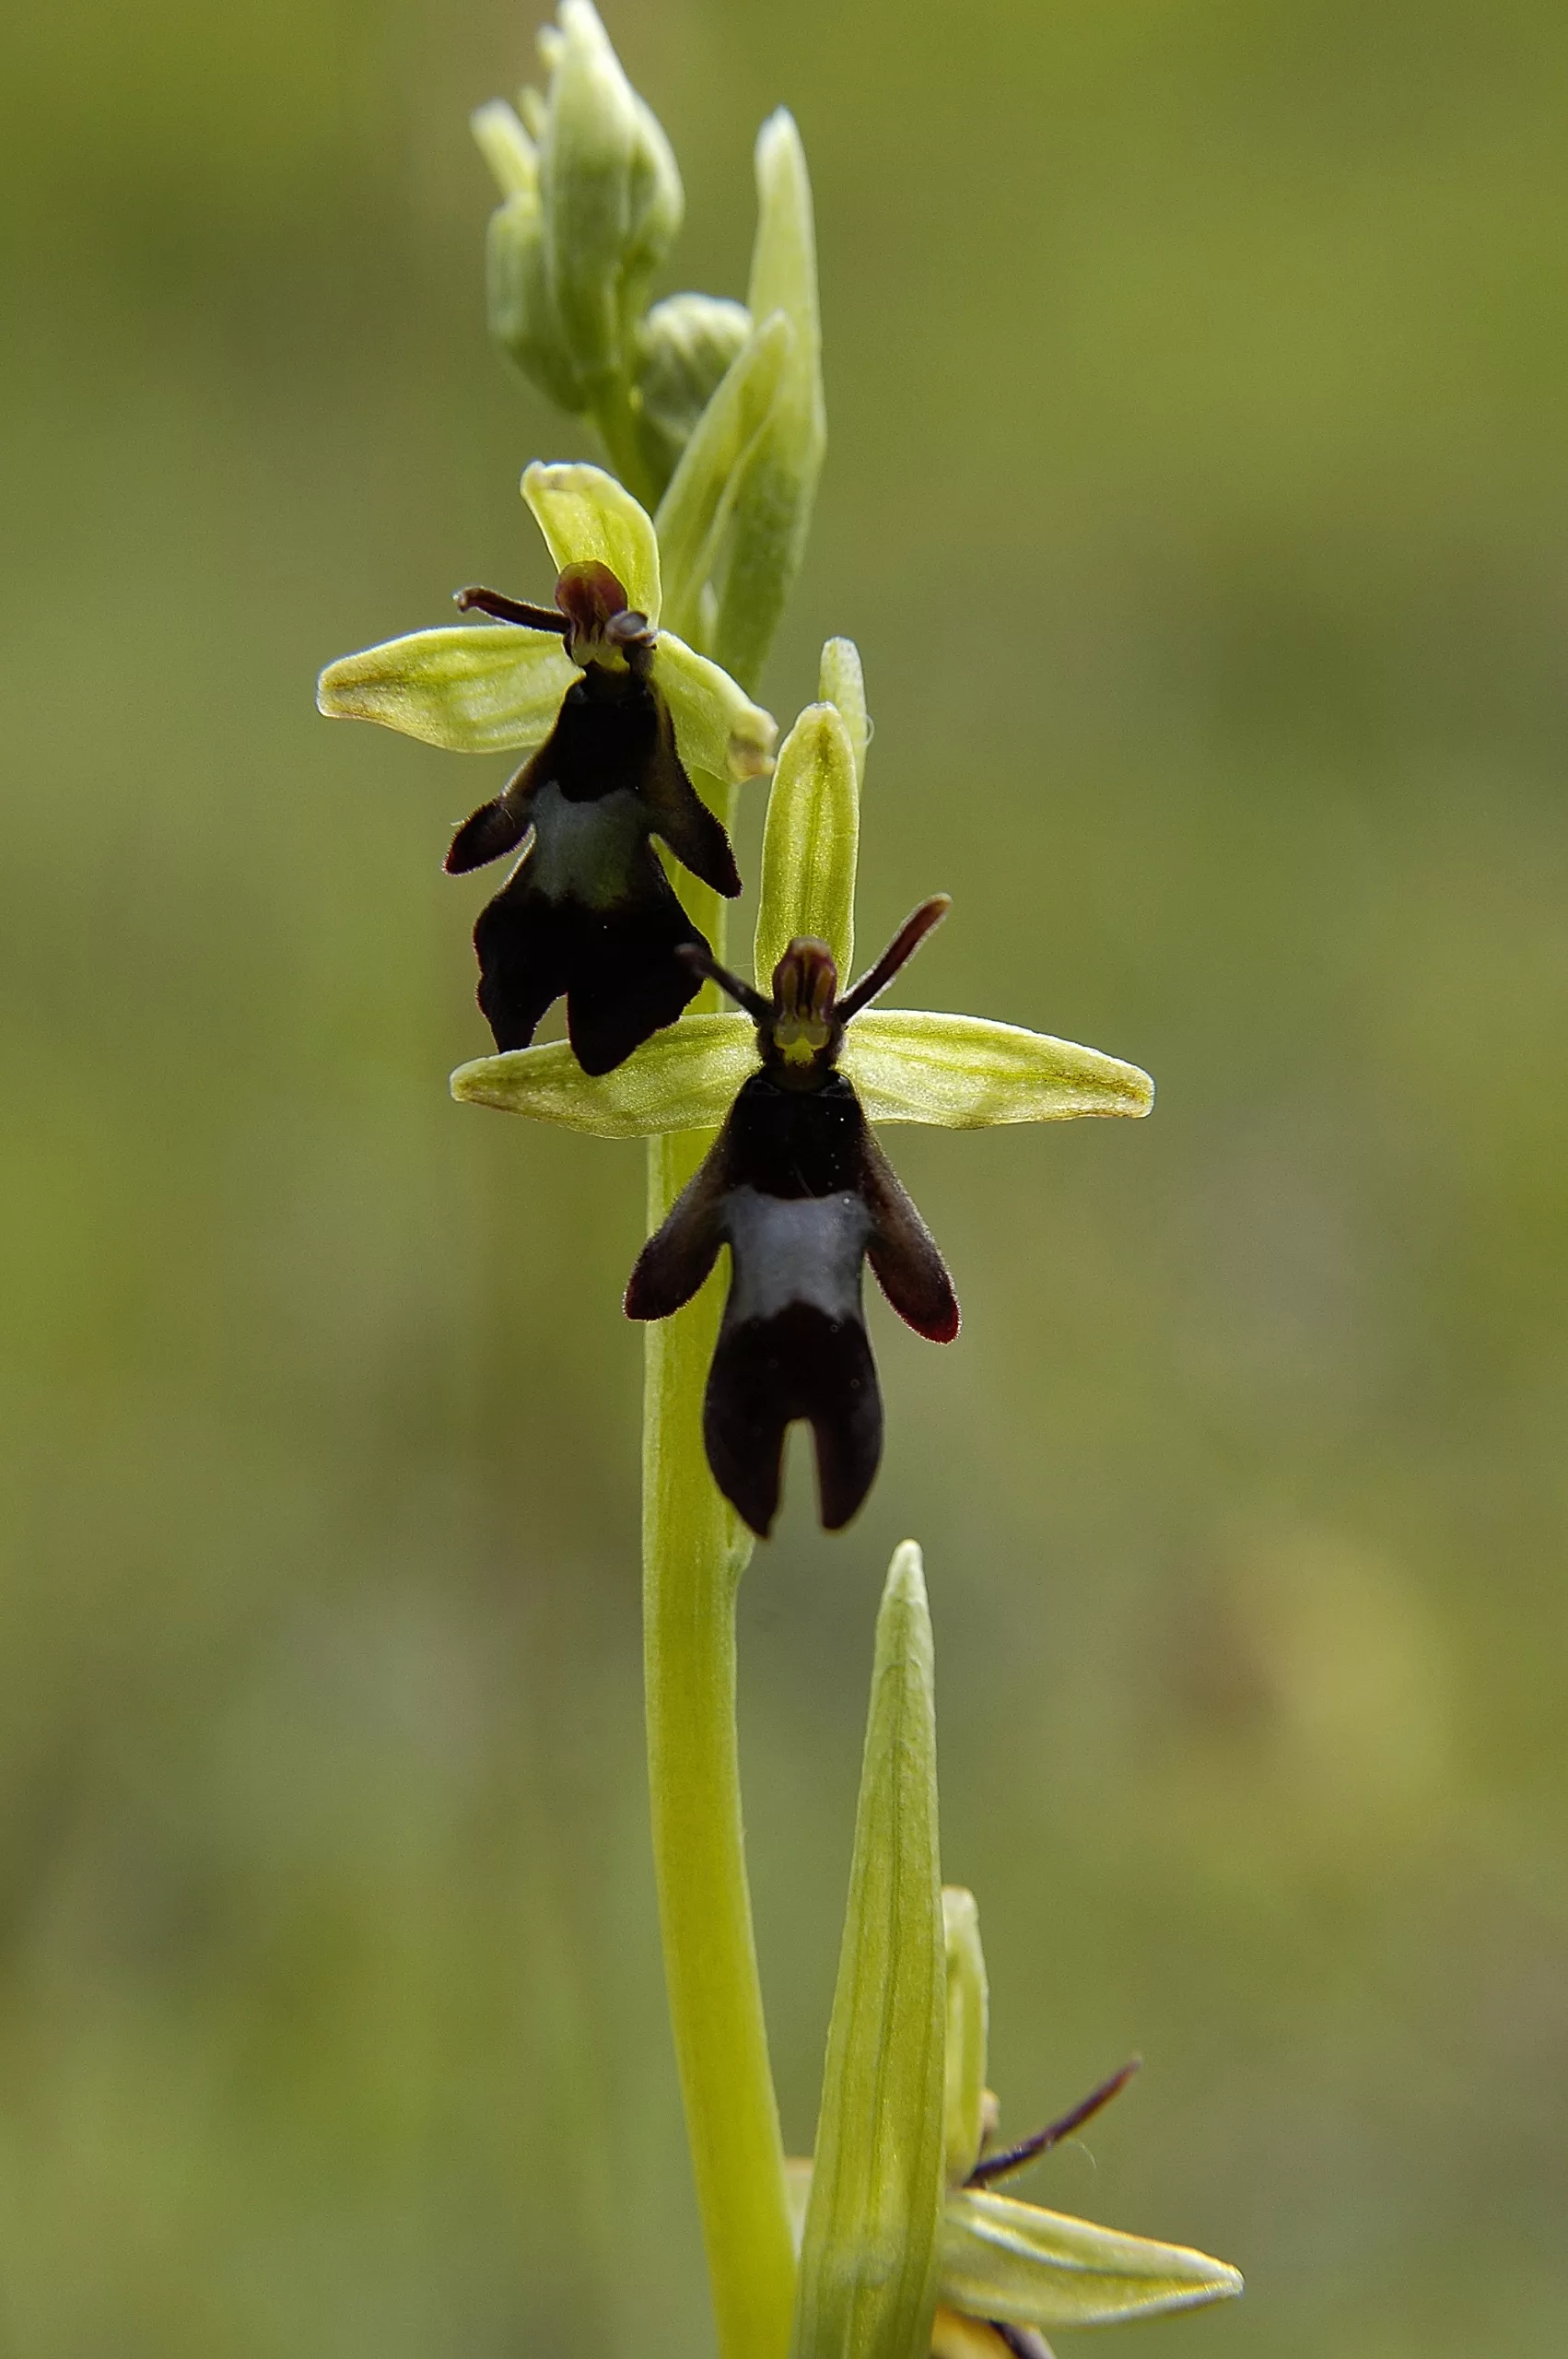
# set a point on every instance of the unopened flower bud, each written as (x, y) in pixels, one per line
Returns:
(685, 346)
(611, 194)
(523, 319)
(592, 200)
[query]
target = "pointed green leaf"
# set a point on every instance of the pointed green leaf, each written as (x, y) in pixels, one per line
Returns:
(1010, 2260)
(698, 507)
(867, 2285)
(841, 681)
(475, 690)
(965, 1071)
(773, 509)
(585, 516)
(967, 2026)
(684, 1079)
(718, 728)
(809, 844)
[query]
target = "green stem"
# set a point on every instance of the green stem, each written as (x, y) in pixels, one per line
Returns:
(616, 419)
(691, 1575)
(694, 1554)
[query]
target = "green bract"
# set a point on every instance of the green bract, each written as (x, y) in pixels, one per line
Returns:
(905, 2097)
(908, 1065)
(484, 688)
(867, 2286)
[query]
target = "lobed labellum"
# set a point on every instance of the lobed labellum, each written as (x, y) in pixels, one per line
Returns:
(798, 1188)
(588, 912)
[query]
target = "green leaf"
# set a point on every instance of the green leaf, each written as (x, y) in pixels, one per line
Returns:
(481, 689)
(809, 844)
(697, 510)
(966, 1073)
(773, 514)
(968, 2027)
(867, 2285)
(718, 728)
(683, 1078)
(586, 515)
(841, 681)
(1010, 2260)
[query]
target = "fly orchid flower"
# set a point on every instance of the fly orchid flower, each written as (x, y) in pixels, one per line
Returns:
(611, 710)
(797, 1187)
(797, 1245)
(904, 2245)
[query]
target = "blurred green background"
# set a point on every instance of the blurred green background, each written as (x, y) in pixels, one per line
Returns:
(1197, 493)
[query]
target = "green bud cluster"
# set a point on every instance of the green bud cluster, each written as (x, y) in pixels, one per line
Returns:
(592, 200)
(710, 409)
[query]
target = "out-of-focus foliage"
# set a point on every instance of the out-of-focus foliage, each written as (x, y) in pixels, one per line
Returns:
(1196, 496)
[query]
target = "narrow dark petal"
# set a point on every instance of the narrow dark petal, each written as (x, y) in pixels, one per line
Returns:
(1014, 2158)
(503, 609)
(768, 1372)
(899, 951)
(702, 962)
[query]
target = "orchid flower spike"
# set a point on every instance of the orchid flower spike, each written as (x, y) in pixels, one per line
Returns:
(612, 709)
(798, 1188)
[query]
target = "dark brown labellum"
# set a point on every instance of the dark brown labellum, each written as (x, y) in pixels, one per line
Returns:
(797, 1187)
(587, 911)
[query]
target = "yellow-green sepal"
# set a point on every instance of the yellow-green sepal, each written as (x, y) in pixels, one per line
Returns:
(488, 689)
(682, 1079)
(966, 1072)
(1028, 2267)
(867, 2286)
(587, 517)
(718, 728)
(968, 2019)
(809, 844)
